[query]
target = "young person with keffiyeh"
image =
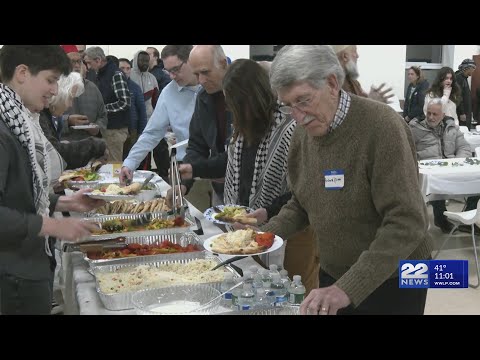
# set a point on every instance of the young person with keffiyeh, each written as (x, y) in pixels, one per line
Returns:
(28, 162)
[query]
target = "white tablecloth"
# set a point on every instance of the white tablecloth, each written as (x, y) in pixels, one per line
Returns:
(79, 292)
(473, 139)
(449, 181)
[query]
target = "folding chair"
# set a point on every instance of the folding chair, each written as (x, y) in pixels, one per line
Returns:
(465, 218)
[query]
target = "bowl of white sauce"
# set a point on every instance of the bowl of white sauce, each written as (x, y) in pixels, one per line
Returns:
(176, 300)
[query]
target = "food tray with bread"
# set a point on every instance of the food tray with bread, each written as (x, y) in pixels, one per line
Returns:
(115, 284)
(135, 225)
(111, 191)
(139, 249)
(155, 205)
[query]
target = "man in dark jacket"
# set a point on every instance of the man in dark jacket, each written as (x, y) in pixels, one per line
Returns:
(211, 125)
(112, 83)
(464, 110)
(156, 68)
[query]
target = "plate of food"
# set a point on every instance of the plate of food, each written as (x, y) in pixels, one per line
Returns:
(229, 214)
(243, 242)
(80, 176)
(85, 127)
(114, 192)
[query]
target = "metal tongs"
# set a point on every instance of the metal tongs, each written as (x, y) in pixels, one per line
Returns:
(175, 180)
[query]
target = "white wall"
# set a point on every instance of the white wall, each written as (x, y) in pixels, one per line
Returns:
(463, 52)
(379, 64)
(127, 51)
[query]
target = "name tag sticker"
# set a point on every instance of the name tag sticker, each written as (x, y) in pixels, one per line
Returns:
(334, 179)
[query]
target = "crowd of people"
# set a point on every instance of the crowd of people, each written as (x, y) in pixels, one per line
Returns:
(297, 140)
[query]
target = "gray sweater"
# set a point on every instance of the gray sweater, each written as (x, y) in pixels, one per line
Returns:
(22, 252)
(378, 217)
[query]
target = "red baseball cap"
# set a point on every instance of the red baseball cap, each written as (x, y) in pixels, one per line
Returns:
(69, 48)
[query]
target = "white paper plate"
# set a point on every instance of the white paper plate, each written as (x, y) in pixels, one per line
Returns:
(84, 127)
(210, 213)
(277, 244)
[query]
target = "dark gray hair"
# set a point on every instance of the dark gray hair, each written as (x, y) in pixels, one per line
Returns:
(95, 52)
(310, 63)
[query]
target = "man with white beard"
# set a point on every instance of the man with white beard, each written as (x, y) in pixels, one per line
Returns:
(348, 56)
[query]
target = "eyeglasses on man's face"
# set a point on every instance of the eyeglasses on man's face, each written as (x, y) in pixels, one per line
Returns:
(301, 105)
(175, 70)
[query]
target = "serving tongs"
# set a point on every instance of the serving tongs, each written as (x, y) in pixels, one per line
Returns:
(175, 180)
(96, 245)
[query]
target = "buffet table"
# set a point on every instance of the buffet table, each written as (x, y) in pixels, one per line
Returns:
(78, 285)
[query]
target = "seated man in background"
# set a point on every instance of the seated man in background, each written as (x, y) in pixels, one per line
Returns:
(437, 137)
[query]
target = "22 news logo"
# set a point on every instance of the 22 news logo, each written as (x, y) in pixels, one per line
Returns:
(413, 274)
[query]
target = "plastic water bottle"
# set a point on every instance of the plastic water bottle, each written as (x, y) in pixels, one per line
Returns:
(261, 299)
(284, 278)
(226, 284)
(253, 269)
(236, 294)
(296, 291)
(266, 278)
(279, 290)
(273, 269)
(248, 277)
(247, 297)
(257, 282)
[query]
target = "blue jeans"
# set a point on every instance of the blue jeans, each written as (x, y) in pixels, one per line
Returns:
(24, 297)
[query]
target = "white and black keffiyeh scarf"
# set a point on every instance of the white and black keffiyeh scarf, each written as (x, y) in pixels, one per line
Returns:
(270, 173)
(15, 115)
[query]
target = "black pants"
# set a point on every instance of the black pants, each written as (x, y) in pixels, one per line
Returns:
(439, 207)
(24, 297)
(162, 158)
(388, 299)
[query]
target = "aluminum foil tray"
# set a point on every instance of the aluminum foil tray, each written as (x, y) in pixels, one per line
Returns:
(181, 239)
(122, 301)
(168, 231)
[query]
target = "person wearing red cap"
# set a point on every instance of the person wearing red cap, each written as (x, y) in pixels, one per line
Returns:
(69, 48)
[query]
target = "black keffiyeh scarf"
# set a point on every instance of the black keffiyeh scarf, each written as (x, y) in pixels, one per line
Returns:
(270, 173)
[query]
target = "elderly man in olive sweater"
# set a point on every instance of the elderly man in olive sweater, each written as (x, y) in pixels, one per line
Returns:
(354, 179)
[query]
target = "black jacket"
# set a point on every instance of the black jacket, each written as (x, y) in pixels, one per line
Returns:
(465, 106)
(202, 153)
(76, 153)
(163, 79)
(413, 107)
(22, 252)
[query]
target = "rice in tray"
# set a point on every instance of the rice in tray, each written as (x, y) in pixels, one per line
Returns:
(146, 276)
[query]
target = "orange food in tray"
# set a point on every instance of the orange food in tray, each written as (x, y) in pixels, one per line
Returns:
(165, 247)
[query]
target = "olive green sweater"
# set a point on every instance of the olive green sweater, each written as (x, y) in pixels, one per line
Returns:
(379, 216)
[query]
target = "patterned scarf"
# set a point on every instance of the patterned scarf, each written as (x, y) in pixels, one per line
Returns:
(270, 172)
(45, 161)
(16, 116)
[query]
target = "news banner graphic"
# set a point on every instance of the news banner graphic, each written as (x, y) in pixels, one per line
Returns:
(433, 274)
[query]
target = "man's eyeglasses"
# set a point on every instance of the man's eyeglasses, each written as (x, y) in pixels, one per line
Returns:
(301, 105)
(175, 70)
